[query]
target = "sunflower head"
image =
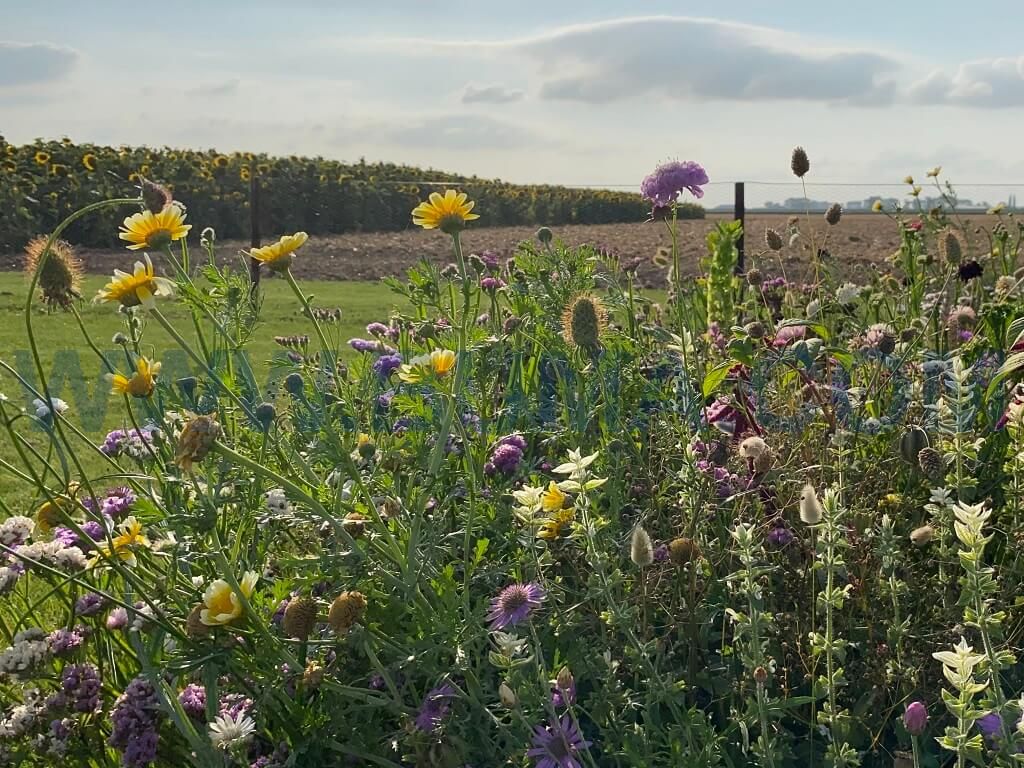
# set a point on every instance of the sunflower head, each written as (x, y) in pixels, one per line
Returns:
(140, 384)
(278, 256)
(42, 158)
(220, 161)
(448, 212)
(155, 230)
(89, 161)
(583, 322)
(61, 273)
(139, 288)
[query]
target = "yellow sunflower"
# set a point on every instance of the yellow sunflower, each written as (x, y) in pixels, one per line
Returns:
(42, 158)
(278, 256)
(448, 212)
(244, 174)
(89, 161)
(141, 383)
(154, 230)
(140, 287)
(220, 161)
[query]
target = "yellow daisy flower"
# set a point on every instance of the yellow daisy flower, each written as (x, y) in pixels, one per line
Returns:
(553, 527)
(124, 545)
(278, 256)
(89, 161)
(449, 212)
(51, 513)
(221, 604)
(439, 362)
(553, 499)
(141, 287)
(141, 384)
(154, 230)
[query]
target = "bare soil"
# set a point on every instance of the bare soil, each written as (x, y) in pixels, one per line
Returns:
(857, 247)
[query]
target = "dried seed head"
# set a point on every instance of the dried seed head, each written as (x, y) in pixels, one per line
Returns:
(810, 507)
(61, 273)
(155, 196)
(299, 617)
(951, 246)
(346, 610)
(194, 626)
(196, 440)
(760, 675)
(773, 239)
(583, 322)
(641, 550)
(932, 464)
(313, 675)
(754, 276)
(683, 550)
(921, 536)
(354, 524)
(564, 679)
(800, 163)
(755, 330)
(753, 447)
(544, 235)
(834, 214)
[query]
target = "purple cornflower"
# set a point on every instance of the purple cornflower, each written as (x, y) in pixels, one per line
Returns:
(134, 730)
(66, 641)
(93, 530)
(780, 536)
(435, 707)
(514, 604)
(193, 700)
(89, 604)
(385, 365)
(669, 180)
(81, 685)
(118, 502)
(915, 719)
(558, 744)
(491, 283)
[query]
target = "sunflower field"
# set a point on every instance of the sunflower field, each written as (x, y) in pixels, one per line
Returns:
(42, 182)
(533, 519)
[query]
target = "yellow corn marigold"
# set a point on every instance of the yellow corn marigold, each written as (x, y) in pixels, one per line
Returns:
(278, 256)
(154, 230)
(448, 212)
(221, 604)
(141, 383)
(139, 288)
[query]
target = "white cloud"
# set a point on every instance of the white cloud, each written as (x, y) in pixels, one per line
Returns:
(490, 94)
(216, 89)
(982, 83)
(28, 63)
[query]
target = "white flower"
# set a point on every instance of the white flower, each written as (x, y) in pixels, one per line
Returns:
(810, 507)
(528, 501)
(227, 731)
(813, 308)
(848, 293)
(753, 447)
(576, 465)
(277, 502)
(46, 411)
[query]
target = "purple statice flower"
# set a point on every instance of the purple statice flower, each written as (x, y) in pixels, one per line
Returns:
(117, 618)
(505, 459)
(89, 604)
(94, 531)
(491, 283)
(80, 684)
(369, 345)
(377, 329)
(385, 365)
(118, 502)
(558, 744)
(66, 536)
(64, 642)
(236, 705)
(435, 707)
(780, 536)
(193, 700)
(134, 721)
(514, 604)
(669, 180)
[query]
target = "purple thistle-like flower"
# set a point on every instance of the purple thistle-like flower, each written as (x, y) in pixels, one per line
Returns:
(385, 365)
(66, 641)
(491, 283)
(514, 604)
(193, 700)
(80, 683)
(915, 719)
(780, 536)
(661, 553)
(134, 724)
(506, 459)
(669, 180)
(514, 439)
(89, 604)
(490, 259)
(558, 744)
(435, 707)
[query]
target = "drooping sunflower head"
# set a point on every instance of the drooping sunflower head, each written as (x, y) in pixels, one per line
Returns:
(155, 230)
(140, 384)
(89, 161)
(139, 288)
(278, 256)
(42, 158)
(448, 212)
(61, 274)
(584, 321)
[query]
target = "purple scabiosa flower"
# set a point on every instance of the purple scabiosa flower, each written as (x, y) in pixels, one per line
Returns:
(491, 259)
(514, 439)
(780, 536)
(377, 329)
(89, 604)
(64, 642)
(558, 744)
(990, 725)
(491, 283)
(385, 365)
(915, 719)
(118, 502)
(669, 180)
(505, 459)
(134, 721)
(80, 683)
(117, 618)
(94, 531)
(111, 445)
(365, 345)
(193, 700)
(514, 604)
(435, 707)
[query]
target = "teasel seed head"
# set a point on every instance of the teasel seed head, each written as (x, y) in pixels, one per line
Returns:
(544, 235)
(932, 464)
(61, 275)
(773, 239)
(951, 246)
(584, 321)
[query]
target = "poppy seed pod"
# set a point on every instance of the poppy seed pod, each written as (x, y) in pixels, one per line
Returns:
(544, 235)
(265, 414)
(294, 384)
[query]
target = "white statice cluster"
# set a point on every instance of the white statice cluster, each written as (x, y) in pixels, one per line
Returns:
(15, 530)
(23, 718)
(54, 554)
(8, 578)
(30, 649)
(848, 293)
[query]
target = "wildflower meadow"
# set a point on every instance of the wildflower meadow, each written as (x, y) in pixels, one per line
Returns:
(534, 518)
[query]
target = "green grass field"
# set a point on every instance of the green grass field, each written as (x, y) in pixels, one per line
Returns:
(76, 375)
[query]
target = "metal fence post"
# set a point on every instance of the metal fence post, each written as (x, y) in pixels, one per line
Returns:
(739, 211)
(254, 233)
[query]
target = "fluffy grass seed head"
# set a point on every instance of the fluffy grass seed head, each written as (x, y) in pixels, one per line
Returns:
(140, 288)
(140, 384)
(154, 230)
(584, 321)
(61, 275)
(641, 549)
(448, 212)
(278, 256)
(810, 506)
(346, 611)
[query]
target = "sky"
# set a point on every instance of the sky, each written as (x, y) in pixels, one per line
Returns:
(580, 92)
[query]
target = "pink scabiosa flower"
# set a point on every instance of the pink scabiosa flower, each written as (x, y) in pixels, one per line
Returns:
(788, 334)
(514, 604)
(558, 744)
(915, 719)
